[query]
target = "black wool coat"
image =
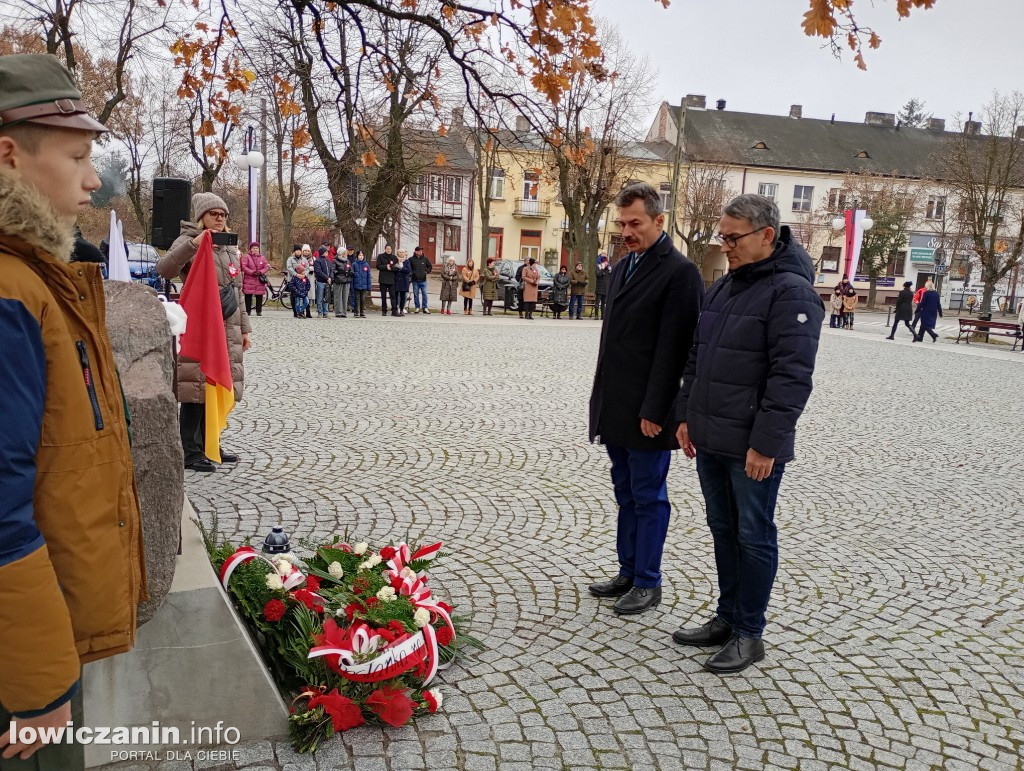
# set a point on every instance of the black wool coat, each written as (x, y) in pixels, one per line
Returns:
(904, 305)
(648, 328)
(749, 374)
(385, 276)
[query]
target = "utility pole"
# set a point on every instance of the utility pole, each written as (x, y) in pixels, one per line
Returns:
(263, 176)
(676, 167)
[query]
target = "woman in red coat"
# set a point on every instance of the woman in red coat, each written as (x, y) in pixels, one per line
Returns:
(254, 265)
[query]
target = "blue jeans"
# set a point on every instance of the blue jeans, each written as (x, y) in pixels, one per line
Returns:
(419, 289)
(321, 297)
(576, 301)
(301, 304)
(638, 477)
(741, 517)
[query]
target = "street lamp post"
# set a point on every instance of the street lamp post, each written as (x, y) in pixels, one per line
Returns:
(251, 160)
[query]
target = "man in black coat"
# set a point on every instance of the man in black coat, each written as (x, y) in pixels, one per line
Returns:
(747, 380)
(904, 310)
(387, 264)
(419, 267)
(654, 296)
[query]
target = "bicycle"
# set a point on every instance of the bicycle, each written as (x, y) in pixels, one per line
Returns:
(283, 295)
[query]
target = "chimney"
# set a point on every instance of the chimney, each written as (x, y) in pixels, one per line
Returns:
(796, 111)
(696, 101)
(936, 124)
(972, 127)
(457, 117)
(880, 119)
(522, 125)
(720, 104)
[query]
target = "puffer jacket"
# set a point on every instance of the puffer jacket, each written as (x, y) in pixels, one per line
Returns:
(361, 277)
(489, 283)
(341, 270)
(750, 370)
(177, 261)
(71, 561)
(560, 289)
(601, 277)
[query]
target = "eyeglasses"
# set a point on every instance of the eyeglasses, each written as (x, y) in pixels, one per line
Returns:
(218, 215)
(731, 240)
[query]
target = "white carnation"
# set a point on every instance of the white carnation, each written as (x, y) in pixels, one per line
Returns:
(436, 693)
(340, 612)
(274, 582)
(408, 572)
(421, 617)
(284, 567)
(386, 594)
(360, 548)
(335, 570)
(374, 561)
(363, 566)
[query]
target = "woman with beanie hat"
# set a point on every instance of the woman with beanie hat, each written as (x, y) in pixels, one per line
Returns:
(254, 266)
(209, 212)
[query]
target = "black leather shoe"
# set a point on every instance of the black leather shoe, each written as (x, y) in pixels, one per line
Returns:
(203, 464)
(617, 587)
(736, 655)
(639, 599)
(709, 635)
(228, 457)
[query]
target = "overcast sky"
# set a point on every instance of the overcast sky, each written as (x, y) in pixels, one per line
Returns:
(753, 54)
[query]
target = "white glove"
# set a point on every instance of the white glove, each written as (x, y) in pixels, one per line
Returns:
(177, 319)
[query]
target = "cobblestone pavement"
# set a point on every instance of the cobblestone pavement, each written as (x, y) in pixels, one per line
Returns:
(896, 629)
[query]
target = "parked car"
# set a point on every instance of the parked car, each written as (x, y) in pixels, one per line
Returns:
(142, 260)
(508, 288)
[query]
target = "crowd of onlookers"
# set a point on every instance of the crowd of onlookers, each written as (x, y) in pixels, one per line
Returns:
(317, 280)
(921, 308)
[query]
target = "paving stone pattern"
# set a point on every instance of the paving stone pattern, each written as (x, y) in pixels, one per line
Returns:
(896, 629)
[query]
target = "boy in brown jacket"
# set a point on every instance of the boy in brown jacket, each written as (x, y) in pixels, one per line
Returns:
(71, 566)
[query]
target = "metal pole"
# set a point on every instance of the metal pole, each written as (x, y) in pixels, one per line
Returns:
(263, 176)
(677, 163)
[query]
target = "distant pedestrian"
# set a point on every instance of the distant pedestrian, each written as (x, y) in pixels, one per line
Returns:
(519, 288)
(904, 310)
(362, 283)
(470, 278)
(844, 285)
(849, 307)
(450, 278)
(299, 287)
(292, 261)
(402, 274)
(578, 291)
(489, 286)
(560, 292)
(419, 268)
(601, 277)
(254, 278)
(836, 303)
(322, 276)
(386, 266)
(747, 380)
(928, 312)
(531, 282)
(341, 283)
(917, 304)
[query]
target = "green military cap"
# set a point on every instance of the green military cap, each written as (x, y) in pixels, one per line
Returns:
(37, 88)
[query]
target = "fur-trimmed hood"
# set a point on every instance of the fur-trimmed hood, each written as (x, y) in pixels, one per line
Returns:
(26, 214)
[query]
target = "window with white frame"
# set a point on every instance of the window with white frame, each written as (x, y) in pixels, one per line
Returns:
(768, 190)
(453, 189)
(436, 187)
(418, 189)
(936, 208)
(497, 183)
(802, 196)
(665, 193)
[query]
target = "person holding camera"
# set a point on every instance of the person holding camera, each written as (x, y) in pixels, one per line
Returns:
(210, 213)
(341, 282)
(254, 278)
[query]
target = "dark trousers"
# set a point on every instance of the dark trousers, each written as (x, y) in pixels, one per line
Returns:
(53, 757)
(529, 308)
(834, 321)
(599, 303)
(192, 422)
(359, 301)
(926, 331)
(467, 303)
(259, 304)
(488, 304)
(401, 297)
(896, 325)
(576, 305)
(387, 291)
(638, 477)
(741, 517)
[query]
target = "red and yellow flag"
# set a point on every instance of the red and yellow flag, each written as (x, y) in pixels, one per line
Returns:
(204, 341)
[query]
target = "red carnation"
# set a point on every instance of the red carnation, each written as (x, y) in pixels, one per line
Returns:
(344, 547)
(360, 586)
(344, 712)
(392, 705)
(445, 636)
(430, 702)
(372, 602)
(274, 610)
(387, 553)
(386, 635)
(306, 598)
(313, 583)
(397, 627)
(445, 607)
(351, 609)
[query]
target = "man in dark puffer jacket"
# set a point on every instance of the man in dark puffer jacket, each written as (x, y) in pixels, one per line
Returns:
(746, 383)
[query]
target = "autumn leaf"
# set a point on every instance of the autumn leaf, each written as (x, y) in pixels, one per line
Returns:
(443, 132)
(369, 158)
(206, 129)
(440, 160)
(301, 137)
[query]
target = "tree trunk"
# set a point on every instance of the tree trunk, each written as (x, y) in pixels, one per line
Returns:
(485, 234)
(986, 297)
(286, 233)
(872, 291)
(209, 177)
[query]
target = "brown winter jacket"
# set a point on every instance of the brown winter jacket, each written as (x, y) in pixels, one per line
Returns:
(71, 561)
(577, 282)
(177, 261)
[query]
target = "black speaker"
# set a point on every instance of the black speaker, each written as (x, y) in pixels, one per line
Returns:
(172, 199)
